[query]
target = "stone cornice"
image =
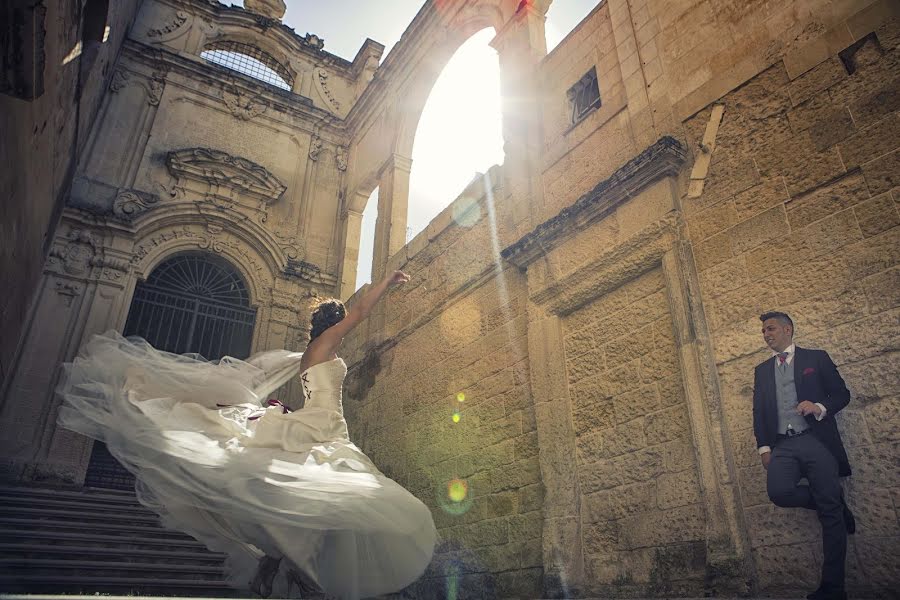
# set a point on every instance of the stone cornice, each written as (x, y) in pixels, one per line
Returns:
(663, 159)
(219, 169)
(195, 69)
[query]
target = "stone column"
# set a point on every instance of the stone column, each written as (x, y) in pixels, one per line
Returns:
(521, 45)
(84, 291)
(393, 198)
(352, 232)
(562, 545)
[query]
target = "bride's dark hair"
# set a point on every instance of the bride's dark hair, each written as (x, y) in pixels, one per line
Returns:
(326, 313)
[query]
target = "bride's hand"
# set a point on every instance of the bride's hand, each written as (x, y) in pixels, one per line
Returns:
(397, 278)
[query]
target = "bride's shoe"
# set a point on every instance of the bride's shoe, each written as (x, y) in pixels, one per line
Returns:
(265, 576)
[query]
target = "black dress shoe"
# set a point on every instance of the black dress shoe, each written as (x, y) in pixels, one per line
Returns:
(849, 520)
(827, 592)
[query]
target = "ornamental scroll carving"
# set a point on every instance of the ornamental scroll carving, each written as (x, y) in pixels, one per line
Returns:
(221, 176)
(320, 76)
(171, 29)
(128, 204)
(243, 106)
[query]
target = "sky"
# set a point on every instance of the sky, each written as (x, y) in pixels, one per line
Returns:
(459, 134)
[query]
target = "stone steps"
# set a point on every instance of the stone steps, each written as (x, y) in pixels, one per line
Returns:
(98, 541)
(112, 555)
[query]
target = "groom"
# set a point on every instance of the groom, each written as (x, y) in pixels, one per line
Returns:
(796, 394)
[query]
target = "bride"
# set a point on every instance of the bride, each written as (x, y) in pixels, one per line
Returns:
(286, 495)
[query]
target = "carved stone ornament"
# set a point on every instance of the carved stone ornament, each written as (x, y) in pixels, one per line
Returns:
(315, 146)
(128, 204)
(76, 255)
(224, 176)
(320, 76)
(314, 41)
(118, 81)
(68, 290)
(155, 87)
(273, 9)
(243, 106)
(340, 158)
(292, 248)
(171, 29)
(111, 269)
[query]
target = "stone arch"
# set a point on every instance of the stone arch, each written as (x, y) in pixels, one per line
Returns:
(400, 119)
(386, 117)
(247, 246)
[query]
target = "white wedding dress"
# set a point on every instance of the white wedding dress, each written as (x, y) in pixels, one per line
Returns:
(246, 479)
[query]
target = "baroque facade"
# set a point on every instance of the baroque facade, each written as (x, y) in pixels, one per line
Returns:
(573, 397)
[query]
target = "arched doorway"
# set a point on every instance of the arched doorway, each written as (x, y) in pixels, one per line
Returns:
(195, 302)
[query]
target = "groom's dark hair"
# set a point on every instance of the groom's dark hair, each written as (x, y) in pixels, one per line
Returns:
(778, 316)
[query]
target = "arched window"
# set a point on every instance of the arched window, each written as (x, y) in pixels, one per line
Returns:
(194, 302)
(249, 60)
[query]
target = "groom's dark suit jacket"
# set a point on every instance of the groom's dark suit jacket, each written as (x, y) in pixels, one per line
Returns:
(817, 380)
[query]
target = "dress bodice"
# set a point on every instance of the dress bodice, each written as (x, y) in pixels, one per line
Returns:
(323, 384)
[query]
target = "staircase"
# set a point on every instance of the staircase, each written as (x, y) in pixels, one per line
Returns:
(87, 541)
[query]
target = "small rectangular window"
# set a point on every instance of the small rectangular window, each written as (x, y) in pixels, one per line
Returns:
(584, 96)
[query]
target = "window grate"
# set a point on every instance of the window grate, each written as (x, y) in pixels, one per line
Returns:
(584, 96)
(249, 60)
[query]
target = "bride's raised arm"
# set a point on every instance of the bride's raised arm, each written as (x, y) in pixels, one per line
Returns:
(326, 344)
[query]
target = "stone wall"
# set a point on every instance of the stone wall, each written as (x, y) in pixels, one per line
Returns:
(43, 137)
(799, 213)
(643, 518)
(641, 279)
(448, 400)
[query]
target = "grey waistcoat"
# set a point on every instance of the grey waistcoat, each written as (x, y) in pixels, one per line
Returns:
(786, 396)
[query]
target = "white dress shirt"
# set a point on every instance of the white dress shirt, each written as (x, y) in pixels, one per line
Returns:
(790, 359)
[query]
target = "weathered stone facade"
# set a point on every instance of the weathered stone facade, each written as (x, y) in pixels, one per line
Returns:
(575, 349)
(54, 79)
(186, 156)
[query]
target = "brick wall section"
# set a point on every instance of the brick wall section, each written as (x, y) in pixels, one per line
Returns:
(799, 213)
(400, 403)
(643, 521)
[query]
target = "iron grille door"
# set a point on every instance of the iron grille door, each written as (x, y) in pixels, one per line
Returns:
(190, 303)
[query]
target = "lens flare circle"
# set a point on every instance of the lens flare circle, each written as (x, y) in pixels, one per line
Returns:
(456, 416)
(460, 397)
(453, 497)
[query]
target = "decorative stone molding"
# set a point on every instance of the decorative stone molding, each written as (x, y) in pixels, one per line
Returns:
(118, 80)
(178, 24)
(75, 257)
(243, 106)
(313, 41)
(129, 204)
(68, 290)
(663, 159)
(224, 177)
(146, 246)
(320, 77)
(315, 146)
(292, 248)
(340, 158)
(155, 87)
(111, 269)
(273, 9)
